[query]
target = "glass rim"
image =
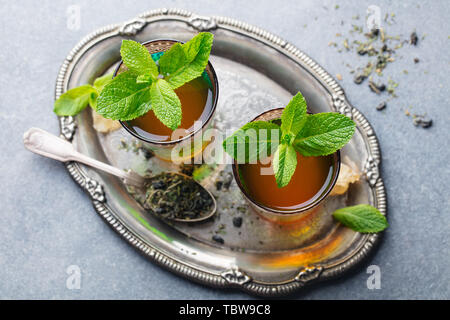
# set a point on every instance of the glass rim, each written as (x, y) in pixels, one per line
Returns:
(280, 212)
(185, 138)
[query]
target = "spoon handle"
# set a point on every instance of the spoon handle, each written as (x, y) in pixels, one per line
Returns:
(48, 145)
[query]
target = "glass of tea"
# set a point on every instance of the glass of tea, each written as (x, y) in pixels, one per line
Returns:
(313, 179)
(198, 103)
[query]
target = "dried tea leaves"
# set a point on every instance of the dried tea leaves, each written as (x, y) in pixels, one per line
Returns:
(378, 49)
(174, 196)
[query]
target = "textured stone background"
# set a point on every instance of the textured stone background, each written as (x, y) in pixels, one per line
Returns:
(48, 223)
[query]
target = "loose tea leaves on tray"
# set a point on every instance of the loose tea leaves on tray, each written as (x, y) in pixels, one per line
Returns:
(174, 196)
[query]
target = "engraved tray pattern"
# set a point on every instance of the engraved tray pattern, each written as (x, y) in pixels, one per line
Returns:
(245, 84)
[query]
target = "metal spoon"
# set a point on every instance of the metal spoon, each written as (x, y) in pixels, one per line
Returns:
(48, 145)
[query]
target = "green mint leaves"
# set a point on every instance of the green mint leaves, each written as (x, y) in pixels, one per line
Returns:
(137, 59)
(294, 116)
(75, 100)
(253, 141)
(146, 85)
(124, 98)
(102, 81)
(172, 60)
(166, 105)
(284, 164)
(324, 133)
(362, 218)
(197, 54)
(310, 135)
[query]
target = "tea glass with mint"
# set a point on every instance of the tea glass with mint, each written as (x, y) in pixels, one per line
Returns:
(163, 92)
(312, 181)
(198, 99)
(286, 160)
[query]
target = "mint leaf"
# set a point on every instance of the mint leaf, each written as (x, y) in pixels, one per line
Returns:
(93, 99)
(102, 81)
(123, 98)
(253, 140)
(323, 134)
(284, 164)
(73, 101)
(172, 60)
(197, 52)
(201, 41)
(144, 78)
(362, 218)
(166, 104)
(294, 116)
(137, 58)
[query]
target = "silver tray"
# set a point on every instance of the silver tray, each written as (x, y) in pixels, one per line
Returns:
(257, 71)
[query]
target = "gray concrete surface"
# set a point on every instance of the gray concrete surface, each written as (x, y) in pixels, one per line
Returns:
(48, 223)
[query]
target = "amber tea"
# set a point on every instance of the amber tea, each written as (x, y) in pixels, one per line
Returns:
(310, 180)
(196, 99)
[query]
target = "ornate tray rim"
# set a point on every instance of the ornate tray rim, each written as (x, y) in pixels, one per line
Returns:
(233, 277)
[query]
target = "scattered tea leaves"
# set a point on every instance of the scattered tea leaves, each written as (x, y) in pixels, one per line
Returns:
(413, 38)
(377, 49)
(224, 180)
(392, 85)
(422, 120)
(381, 106)
(359, 78)
(237, 222)
(377, 88)
(218, 239)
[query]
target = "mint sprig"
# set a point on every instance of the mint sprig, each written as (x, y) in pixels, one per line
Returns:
(310, 135)
(362, 218)
(145, 86)
(74, 101)
(154, 85)
(253, 141)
